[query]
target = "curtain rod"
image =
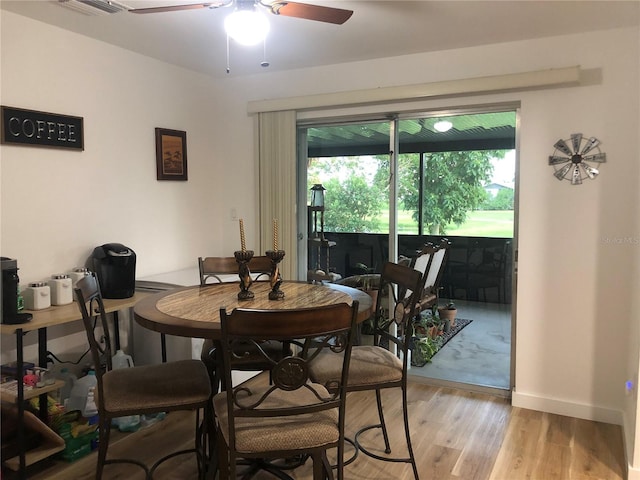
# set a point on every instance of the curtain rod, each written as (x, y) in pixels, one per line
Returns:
(553, 77)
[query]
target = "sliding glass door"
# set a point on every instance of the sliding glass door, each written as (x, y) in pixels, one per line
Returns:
(393, 184)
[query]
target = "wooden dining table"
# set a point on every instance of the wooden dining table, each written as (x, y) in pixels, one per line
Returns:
(195, 311)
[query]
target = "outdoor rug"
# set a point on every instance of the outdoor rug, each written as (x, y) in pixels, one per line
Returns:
(441, 341)
(453, 331)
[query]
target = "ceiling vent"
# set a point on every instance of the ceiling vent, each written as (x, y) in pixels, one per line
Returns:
(94, 7)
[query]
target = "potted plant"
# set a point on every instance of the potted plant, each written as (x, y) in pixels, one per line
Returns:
(423, 349)
(448, 312)
(435, 325)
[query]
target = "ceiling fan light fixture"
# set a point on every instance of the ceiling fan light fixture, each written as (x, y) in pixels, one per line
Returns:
(443, 126)
(247, 27)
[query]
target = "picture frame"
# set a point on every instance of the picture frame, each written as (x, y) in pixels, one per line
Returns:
(171, 154)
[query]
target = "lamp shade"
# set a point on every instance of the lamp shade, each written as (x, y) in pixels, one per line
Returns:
(247, 26)
(317, 195)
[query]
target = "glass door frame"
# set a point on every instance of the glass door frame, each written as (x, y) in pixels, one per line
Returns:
(302, 193)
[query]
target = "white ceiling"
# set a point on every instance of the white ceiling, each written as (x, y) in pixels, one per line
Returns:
(195, 39)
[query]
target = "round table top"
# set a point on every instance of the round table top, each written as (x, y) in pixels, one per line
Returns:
(195, 311)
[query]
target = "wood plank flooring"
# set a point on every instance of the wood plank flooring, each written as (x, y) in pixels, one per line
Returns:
(456, 435)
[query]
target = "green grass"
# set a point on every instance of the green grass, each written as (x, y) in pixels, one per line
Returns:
(481, 223)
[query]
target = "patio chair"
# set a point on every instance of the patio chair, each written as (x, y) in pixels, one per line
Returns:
(430, 260)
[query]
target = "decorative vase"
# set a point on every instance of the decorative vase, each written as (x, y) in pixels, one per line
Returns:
(433, 331)
(446, 314)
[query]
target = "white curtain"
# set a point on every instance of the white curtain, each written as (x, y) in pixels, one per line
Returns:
(277, 186)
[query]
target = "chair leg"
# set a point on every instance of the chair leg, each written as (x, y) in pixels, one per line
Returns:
(328, 469)
(104, 425)
(383, 425)
(224, 465)
(405, 414)
(205, 443)
(339, 466)
(319, 470)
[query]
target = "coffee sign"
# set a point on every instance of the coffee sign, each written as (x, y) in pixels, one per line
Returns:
(41, 129)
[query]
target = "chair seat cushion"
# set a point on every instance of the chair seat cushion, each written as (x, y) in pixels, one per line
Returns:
(369, 365)
(166, 386)
(261, 434)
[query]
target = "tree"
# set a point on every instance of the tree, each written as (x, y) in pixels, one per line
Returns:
(352, 205)
(452, 185)
(353, 201)
(502, 201)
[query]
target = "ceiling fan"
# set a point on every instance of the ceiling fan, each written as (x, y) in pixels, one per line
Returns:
(279, 7)
(246, 24)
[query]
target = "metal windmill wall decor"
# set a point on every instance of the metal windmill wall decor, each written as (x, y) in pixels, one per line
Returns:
(580, 153)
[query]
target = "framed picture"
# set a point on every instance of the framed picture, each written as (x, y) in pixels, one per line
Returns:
(171, 154)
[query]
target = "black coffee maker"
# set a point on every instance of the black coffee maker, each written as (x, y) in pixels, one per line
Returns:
(115, 266)
(10, 285)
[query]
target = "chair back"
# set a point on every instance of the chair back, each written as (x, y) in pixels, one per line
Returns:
(430, 260)
(260, 267)
(332, 327)
(439, 264)
(212, 269)
(392, 323)
(94, 318)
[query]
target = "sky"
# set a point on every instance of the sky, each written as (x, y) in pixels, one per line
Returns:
(504, 169)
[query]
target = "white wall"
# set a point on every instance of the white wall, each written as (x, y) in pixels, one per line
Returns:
(576, 284)
(632, 407)
(57, 205)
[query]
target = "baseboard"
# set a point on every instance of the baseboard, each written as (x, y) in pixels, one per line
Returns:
(628, 442)
(569, 409)
(436, 382)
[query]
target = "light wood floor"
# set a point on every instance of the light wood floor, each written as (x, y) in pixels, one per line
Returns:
(456, 435)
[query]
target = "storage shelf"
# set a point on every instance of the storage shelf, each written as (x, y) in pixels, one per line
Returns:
(52, 443)
(12, 395)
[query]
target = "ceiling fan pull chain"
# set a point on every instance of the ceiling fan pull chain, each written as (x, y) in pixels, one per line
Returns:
(264, 62)
(228, 68)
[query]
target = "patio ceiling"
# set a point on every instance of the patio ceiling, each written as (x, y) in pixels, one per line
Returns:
(483, 131)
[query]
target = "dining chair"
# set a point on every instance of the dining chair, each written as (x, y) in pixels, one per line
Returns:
(290, 416)
(165, 387)
(218, 270)
(384, 364)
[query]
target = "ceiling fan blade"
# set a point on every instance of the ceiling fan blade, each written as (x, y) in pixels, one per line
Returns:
(311, 12)
(175, 8)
